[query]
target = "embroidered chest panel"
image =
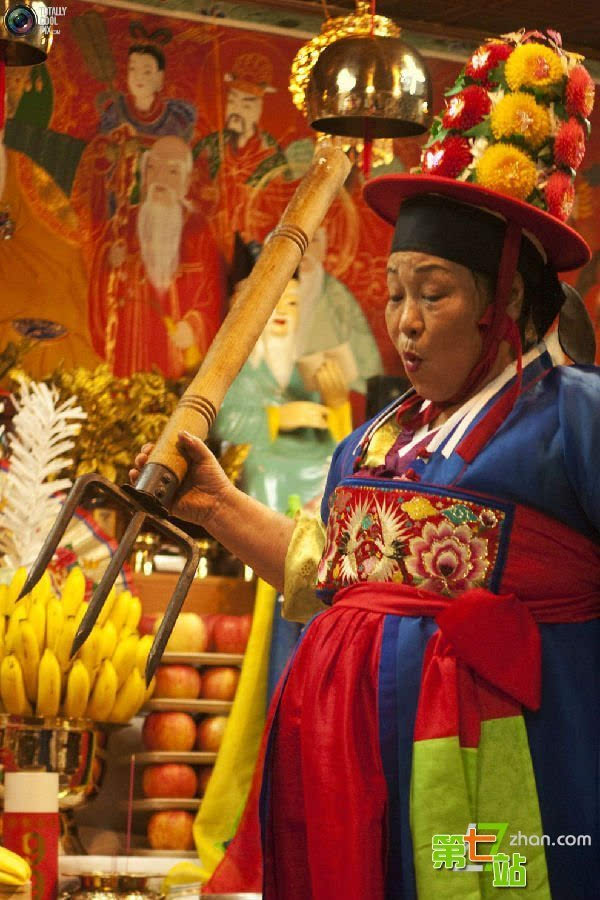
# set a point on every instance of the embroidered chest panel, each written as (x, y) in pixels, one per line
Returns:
(435, 539)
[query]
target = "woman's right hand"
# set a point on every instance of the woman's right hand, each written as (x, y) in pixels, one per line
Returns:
(204, 486)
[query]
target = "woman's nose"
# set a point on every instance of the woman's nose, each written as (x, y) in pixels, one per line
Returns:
(411, 321)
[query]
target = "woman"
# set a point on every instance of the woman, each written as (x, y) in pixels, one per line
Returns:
(443, 709)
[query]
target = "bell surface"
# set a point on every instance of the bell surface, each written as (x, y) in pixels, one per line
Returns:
(366, 82)
(23, 40)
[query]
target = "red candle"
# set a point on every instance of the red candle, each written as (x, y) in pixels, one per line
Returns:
(31, 826)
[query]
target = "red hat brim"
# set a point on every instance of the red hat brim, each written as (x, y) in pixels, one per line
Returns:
(564, 247)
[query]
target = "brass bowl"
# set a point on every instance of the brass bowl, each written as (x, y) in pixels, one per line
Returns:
(74, 748)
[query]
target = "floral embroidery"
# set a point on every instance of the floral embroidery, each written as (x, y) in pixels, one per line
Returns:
(403, 535)
(447, 559)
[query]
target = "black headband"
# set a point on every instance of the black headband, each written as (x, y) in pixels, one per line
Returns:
(474, 238)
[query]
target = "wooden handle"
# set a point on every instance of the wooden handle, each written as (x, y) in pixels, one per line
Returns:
(237, 336)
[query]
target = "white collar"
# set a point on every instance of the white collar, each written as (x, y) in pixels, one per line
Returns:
(461, 418)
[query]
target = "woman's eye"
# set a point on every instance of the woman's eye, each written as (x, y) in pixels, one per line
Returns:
(432, 297)
(395, 298)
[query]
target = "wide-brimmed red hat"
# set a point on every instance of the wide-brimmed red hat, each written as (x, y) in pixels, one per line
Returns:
(510, 140)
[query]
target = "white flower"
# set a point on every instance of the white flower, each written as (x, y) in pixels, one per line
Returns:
(478, 147)
(496, 96)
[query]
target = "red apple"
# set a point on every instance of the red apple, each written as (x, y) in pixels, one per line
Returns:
(210, 733)
(209, 621)
(177, 681)
(230, 633)
(219, 683)
(204, 773)
(189, 635)
(146, 623)
(171, 829)
(169, 780)
(174, 731)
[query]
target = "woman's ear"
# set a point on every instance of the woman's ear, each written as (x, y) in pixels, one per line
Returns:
(517, 295)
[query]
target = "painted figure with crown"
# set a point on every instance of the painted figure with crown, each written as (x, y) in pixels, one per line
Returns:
(243, 156)
(443, 698)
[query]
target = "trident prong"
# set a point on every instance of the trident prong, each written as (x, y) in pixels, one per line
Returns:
(73, 500)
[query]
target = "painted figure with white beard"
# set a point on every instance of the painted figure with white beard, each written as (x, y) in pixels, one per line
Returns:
(157, 284)
(292, 431)
(330, 315)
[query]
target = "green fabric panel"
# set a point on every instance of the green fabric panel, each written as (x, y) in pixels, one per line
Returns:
(439, 804)
(508, 793)
(452, 787)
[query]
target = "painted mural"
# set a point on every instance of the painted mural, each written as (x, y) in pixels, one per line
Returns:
(129, 162)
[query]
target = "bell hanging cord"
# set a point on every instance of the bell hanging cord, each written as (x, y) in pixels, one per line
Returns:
(368, 124)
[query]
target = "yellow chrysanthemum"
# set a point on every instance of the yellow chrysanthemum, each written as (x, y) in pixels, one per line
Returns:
(506, 169)
(519, 114)
(532, 65)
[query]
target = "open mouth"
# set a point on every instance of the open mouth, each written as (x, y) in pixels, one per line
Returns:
(411, 361)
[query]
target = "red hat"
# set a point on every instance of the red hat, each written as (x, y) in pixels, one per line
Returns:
(510, 140)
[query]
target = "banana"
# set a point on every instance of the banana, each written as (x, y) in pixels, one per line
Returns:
(134, 614)
(78, 691)
(120, 610)
(150, 689)
(73, 591)
(43, 590)
(12, 687)
(3, 600)
(55, 619)
(49, 685)
(2, 623)
(14, 589)
(123, 658)
(2, 654)
(64, 643)
(27, 651)
(141, 652)
(130, 697)
(104, 693)
(37, 617)
(108, 640)
(18, 614)
(106, 608)
(13, 866)
(81, 611)
(89, 653)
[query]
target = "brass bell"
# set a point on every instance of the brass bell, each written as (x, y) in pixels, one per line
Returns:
(25, 35)
(366, 85)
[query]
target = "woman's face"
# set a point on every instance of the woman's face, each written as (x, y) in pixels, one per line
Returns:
(431, 316)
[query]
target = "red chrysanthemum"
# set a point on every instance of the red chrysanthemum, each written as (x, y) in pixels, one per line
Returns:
(447, 158)
(466, 109)
(580, 92)
(560, 195)
(486, 58)
(569, 144)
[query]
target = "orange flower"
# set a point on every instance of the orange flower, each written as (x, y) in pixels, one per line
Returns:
(508, 170)
(533, 65)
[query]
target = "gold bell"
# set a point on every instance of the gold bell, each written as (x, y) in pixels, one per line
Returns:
(25, 35)
(366, 85)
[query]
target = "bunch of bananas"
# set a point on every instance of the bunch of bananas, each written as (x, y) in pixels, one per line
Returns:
(104, 681)
(13, 868)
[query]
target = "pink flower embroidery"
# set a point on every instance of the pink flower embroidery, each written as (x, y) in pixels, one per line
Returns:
(447, 559)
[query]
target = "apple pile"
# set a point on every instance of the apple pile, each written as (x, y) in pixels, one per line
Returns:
(176, 731)
(220, 633)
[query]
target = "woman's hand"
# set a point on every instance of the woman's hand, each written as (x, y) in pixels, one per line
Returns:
(204, 486)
